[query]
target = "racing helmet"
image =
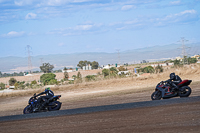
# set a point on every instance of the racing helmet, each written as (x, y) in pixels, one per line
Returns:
(47, 89)
(172, 76)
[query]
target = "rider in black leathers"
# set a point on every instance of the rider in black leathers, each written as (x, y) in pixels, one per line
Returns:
(174, 81)
(43, 100)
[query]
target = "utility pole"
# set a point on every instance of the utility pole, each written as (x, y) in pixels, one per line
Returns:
(28, 47)
(183, 47)
(29, 58)
(41, 60)
(118, 55)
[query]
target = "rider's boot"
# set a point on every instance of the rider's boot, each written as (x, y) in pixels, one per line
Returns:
(36, 108)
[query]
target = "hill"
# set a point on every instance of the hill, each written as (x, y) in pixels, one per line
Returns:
(155, 53)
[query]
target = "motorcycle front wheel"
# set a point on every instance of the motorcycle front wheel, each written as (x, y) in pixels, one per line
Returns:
(28, 109)
(157, 95)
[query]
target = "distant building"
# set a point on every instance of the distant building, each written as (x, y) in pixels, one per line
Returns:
(87, 67)
(144, 61)
(196, 56)
(123, 72)
(70, 70)
(162, 64)
(109, 66)
(179, 58)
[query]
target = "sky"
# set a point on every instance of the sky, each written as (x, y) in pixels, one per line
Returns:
(77, 26)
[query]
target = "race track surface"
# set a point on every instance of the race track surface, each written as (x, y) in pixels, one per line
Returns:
(169, 115)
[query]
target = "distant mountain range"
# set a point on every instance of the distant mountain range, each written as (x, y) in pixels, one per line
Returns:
(155, 53)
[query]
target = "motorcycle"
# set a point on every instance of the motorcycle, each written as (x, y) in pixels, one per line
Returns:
(163, 90)
(52, 105)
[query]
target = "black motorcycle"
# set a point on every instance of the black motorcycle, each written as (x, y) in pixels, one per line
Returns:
(163, 90)
(52, 105)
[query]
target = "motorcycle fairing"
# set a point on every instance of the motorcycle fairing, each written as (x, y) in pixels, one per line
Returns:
(184, 83)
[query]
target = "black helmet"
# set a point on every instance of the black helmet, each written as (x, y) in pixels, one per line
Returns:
(172, 76)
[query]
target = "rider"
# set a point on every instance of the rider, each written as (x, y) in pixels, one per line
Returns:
(49, 93)
(174, 81)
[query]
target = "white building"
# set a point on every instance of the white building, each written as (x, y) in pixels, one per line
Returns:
(162, 64)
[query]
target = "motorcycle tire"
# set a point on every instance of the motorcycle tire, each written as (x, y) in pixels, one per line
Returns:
(185, 91)
(157, 96)
(28, 109)
(56, 107)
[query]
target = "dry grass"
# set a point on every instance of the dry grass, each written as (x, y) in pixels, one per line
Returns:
(13, 102)
(117, 85)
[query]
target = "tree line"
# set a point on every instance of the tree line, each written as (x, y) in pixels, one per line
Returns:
(48, 78)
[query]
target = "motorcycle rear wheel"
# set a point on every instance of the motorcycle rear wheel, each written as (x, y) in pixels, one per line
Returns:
(185, 91)
(56, 107)
(157, 95)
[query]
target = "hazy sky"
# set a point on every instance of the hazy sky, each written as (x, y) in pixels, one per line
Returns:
(71, 26)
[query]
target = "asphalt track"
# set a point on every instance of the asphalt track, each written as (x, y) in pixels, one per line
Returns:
(176, 115)
(102, 108)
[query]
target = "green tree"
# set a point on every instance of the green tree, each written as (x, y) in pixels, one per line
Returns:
(21, 74)
(2, 86)
(46, 68)
(95, 65)
(12, 81)
(45, 78)
(1, 74)
(192, 60)
(84, 63)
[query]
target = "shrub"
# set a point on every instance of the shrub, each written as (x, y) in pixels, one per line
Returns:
(33, 82)
(52, 82)
(105, 72)
(159, 69)
(90, 77)
(78, 78)
(2, 86)
(121, 68)
(66, 76)
(46, 78)
(148, 69)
